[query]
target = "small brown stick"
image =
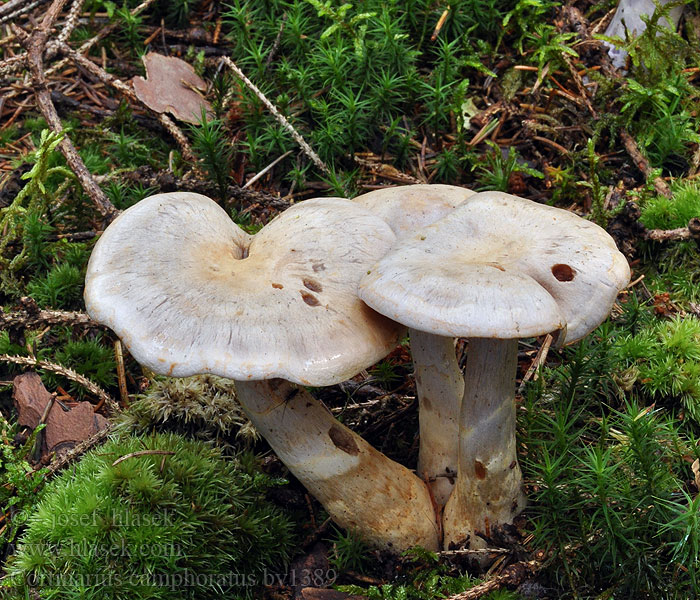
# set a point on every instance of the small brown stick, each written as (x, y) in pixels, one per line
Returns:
(642, 163)
(35, 46)
(7, 15)
(100, 35)
(12, 6)
(29, 320)
(40, 436)
(440, 24)
(90, 386)
(71, 20)
(279, 116)
(553, 144)
(475, 552)
(13, 64)
(180, 138)
(275, 44)
(65, 459)
(512, 576)
(267, 168)
(691, 232)
(538, 362)
(583, 92)
(121, 373)
(142, 453)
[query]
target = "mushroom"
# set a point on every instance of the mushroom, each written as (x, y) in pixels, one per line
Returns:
(495, 269)
(189, 292)
(439, 381)
(627, 20)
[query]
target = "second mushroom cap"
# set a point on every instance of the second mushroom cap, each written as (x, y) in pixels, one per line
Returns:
(499, 266)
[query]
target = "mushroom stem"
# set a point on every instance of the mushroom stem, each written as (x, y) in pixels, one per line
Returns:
(440, 387)
(361, 489)
(488, 490)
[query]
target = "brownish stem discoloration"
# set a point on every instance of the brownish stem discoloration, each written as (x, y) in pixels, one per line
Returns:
(360, 487)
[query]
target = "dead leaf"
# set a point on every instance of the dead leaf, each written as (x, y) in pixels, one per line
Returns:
(31, 397)
(171, 86)
(696, 471)
(64, 429)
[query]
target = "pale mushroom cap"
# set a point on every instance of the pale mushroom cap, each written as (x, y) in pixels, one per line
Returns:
(407, 208)
(499, 266)
(189, 292)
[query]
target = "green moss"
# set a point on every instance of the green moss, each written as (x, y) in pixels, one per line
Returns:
(660, 212)
(664, 359)
(203, 406)
(61, 287)
(605, 476)
(91, 357)
(176, 522)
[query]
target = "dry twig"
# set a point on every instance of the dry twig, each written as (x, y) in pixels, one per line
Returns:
(642, 164)
(29, 320)
(71, 20)
(512, 576)
(35, 46)
(14, 8)
(142, 453)
(65, 459)
(279, 116)
(539, 360)
(691, 232)
(90, 386)
(103, 33)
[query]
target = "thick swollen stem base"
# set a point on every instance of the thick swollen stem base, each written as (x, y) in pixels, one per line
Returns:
(488, 490)
(361, 489)
(439, 387)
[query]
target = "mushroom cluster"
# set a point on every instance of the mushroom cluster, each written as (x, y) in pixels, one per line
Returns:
(495, 269)
(325, 290)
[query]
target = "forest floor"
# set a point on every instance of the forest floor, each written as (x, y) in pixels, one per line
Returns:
(512, 95)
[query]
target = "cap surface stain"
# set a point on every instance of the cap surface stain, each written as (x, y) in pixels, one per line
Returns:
(312, 284)
(343, 440)
(563, 272)
(310, 299)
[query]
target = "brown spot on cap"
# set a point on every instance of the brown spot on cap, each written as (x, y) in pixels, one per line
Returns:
(479, 469)
(310, 299)
(318, 267)
(312, 284)
(277, 286)
(343, 440)
(563, 272)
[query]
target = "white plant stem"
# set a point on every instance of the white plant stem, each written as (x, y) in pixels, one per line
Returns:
(488, 489)
(361, 489)
(440, 387)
